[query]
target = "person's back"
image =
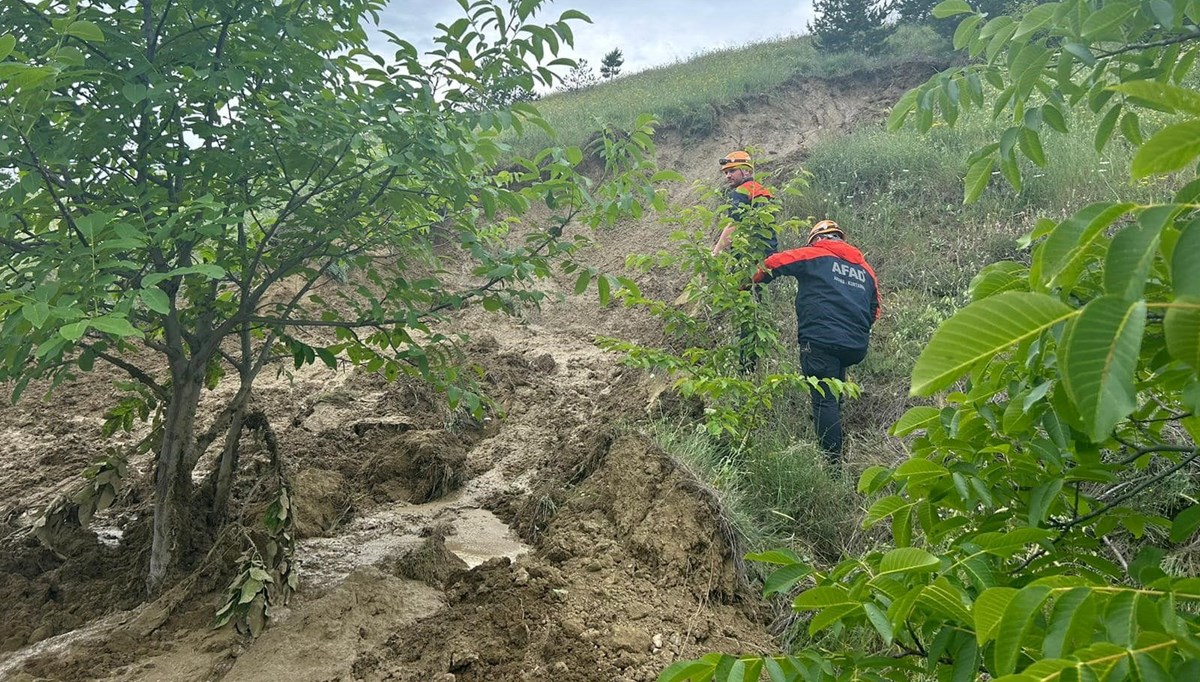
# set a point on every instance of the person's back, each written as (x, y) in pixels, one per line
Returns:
(837, 302)
(837, 299)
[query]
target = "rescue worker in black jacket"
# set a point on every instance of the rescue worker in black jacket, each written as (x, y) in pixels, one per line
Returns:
(837, 302)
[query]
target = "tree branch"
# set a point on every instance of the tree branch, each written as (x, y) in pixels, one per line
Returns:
(1131, 492)
(132, 370)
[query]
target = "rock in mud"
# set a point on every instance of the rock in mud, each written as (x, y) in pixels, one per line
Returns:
(321, 500)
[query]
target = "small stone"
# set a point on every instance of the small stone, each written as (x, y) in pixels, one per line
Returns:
(589, 634)
(573, 627)
(560, 667)
(520, 576)
(656, 642)
(630, 639)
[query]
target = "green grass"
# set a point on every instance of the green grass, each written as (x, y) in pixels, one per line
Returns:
(774, 494)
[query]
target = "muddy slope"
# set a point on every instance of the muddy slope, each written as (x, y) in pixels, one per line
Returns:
(550, 544)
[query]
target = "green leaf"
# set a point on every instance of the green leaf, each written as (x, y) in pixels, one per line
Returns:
(135, 92)
(1132, 254)
(885, 508)
(1072, 620)
(901, 110)
(1041, 499)
(1054, 118)
(949, 8)
(785, 578)
(1099, 360)
(988, 612)
(779, 557)
(691, 671)
(155, 299)
(965, 32)
(1130, 128)
(581, 283)
(1105, 23)
(116, 325)
(776, 672)
(916, 470)
(823, 597)
(1185, 523)
(879, 621)
(907, 560)
(37, 312)
(977, 178)
(999, 277)
(1171, 148)
(1065, 246)
(1106, 127)
(1120, 618)
(1035, 19)
(1028, 66)
(85, 30)
(1081, 52)
(980, 331)
(1015, 625)
(1145, 668)
(1181, 326)
(74, 331)
(916, 418)
(830, 616)
(209, 270)
(1185, 267)
(872, 479)
(1031, 144)
(7, 43)
(951, 601)
(1167, 96)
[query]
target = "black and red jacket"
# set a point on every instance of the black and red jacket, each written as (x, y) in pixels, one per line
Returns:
(838, 300)
(742, 197)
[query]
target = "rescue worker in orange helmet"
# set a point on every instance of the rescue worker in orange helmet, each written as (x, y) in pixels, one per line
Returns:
(837, 303)
(738, 169)
(744, 192)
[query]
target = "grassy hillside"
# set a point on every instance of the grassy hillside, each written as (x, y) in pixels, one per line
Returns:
(687, 95)
(900, 197)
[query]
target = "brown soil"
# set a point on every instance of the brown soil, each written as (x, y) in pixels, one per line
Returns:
(546, 543)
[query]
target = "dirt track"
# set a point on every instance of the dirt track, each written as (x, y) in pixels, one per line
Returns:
(565, 549)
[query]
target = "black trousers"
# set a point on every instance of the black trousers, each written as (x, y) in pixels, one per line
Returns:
(828, 362)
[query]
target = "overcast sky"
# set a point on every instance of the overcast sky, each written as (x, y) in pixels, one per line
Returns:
(649, 33)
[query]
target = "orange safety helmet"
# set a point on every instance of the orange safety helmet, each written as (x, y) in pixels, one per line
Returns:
(823, 228)
(737, 159)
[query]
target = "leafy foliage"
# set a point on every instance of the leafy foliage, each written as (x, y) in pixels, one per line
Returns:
(610, 66)
(719, 321)
(1031, 521)
(168, 167)
(580, 77)
(921, 12)
(851, 25)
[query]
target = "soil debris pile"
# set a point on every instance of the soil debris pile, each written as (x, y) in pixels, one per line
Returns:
(631, 572)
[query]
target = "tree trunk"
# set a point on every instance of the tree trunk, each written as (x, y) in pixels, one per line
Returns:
(171, 481)
(228, 464)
